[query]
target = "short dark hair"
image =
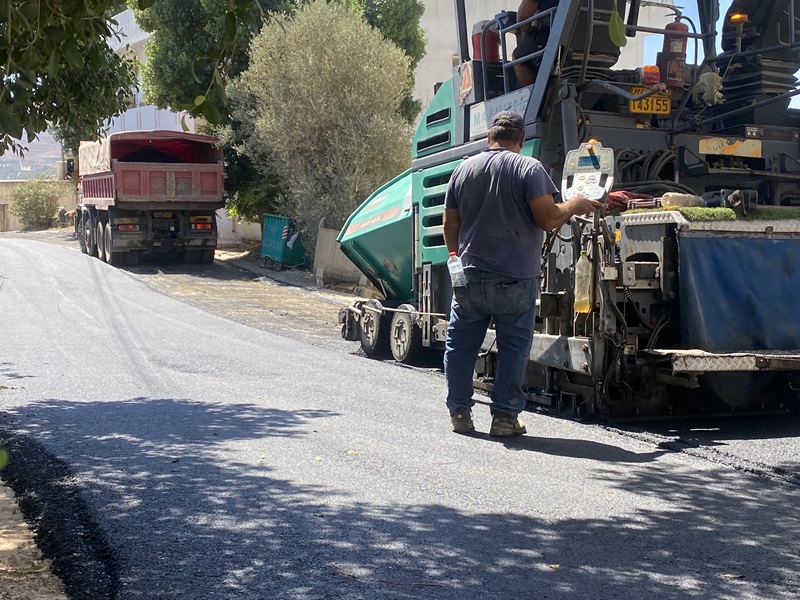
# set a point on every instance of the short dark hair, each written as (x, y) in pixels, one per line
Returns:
(507, 126)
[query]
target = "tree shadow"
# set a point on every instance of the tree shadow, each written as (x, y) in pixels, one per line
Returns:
(193, 507)
(8, 371)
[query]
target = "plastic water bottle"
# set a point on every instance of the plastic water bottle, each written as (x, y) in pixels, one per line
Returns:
(583, 283)
(457, 275)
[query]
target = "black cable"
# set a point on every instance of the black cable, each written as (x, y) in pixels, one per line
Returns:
(639, 316)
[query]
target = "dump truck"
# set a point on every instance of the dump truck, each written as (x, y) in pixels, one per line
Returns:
(694, 260)
(149, 191)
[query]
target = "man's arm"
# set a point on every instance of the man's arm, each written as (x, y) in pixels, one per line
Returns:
(527, 9)
(549, 215)
(451, 226)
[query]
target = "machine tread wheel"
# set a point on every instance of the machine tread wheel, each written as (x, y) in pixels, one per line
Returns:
(374, 331)
(278, 266)
(405, 338)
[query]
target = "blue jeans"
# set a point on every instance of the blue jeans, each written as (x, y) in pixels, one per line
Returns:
(512, 305)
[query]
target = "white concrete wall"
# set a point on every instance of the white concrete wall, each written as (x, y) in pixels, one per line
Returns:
(439, 23)
(9, 222)
(330, 263)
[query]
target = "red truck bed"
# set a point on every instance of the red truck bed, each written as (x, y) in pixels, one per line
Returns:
(152, 167)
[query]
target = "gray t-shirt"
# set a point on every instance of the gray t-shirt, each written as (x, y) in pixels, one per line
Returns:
(498, 234)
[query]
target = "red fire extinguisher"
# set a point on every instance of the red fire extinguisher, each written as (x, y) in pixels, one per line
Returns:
(671, 60)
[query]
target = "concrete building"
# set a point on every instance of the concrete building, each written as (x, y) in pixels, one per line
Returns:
(131, 43)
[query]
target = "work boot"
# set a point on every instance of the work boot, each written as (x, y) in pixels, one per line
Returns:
(506, 426)
(461, 420)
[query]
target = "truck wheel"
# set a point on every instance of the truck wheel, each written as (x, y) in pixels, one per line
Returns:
(88, 236)
(191, 257)
(116, 259)
(80, 234)
(374, 331)
(100, 239)
(207, 256)
(107, 246)
(405, 338)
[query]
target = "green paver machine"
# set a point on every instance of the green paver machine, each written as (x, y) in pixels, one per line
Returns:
(692, 307)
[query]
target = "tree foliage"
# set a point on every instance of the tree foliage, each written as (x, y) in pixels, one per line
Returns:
(183, 57)
(195, 47)
(323, 111)
(398, 21)
(36, 201)
(57, 68)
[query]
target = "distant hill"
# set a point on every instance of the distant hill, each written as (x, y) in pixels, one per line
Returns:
(40, 158)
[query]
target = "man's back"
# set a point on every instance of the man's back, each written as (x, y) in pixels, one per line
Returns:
(491, 192)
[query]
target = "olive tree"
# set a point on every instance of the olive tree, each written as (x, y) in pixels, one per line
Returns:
(323, 111)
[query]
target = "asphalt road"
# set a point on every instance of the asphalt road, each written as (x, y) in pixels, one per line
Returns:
(211, 457)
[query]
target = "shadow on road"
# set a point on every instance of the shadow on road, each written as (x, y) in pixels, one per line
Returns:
(196, 522)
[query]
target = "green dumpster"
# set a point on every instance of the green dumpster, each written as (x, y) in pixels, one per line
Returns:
(281, 245)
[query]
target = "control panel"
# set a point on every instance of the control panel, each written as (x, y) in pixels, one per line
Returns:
(588, 172)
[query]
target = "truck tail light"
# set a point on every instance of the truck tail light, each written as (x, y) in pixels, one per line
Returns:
(651, 75)
(206, 226)
(127, 227)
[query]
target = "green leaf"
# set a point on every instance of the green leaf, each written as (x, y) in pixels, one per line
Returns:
(145, 4)
(9, 123)
(219, 87)
(211, 113)
(616, 28)
(72, 54)
(29, 10)
(184, 126)
(246, 17)
(230, 27)
(194, 74)
(52, 68)
(199, 100)
(68, 6)
(3, 458)
(55, 34)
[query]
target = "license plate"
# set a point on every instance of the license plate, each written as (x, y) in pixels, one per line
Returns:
(162, 215)
(657, 104)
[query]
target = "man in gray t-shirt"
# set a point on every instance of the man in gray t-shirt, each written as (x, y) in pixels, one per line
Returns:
(497, 208)
(491, 191)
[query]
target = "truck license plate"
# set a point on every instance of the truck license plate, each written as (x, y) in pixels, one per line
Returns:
(162, 215)
(657, 104)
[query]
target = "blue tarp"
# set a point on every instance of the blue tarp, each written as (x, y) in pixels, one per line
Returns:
(739, 294)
